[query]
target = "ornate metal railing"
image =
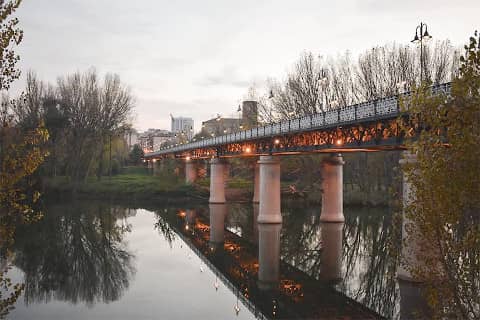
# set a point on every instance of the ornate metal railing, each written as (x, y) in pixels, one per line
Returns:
(385, 108)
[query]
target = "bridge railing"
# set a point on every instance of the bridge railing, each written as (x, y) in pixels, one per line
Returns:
(377, 109)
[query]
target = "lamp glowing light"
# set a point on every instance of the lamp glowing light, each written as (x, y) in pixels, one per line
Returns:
(248, 150)
(277, 141)
(339, 142)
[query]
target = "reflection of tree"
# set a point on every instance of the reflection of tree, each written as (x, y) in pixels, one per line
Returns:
(75, 254)
(367, 259)
(164, 228)
(301, 238)
(368, 269)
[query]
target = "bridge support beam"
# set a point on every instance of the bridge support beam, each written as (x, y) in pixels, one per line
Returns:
(217, 180)
(190, 171)
(332, 189)
(269, 208)
(256, 184)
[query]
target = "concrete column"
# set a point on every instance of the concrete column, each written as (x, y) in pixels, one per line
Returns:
(269, 208)
(217, 181)
(256, 184)
(190, 171)
(218, 212)
(268, 255)
(255, 223)
(331, 256)
(332, 189)
(409, 248)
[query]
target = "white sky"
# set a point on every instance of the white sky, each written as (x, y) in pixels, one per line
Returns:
(198, 58)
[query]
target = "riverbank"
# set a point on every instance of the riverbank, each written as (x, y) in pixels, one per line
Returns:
(139, 185)
(124, 186)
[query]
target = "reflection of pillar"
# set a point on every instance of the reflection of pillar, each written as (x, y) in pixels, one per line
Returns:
(255, 223)
(190, 171)
(269, 209)
(256, 184)
(412, 301)
(409, 248)
(331, 256)
(218, 212)
(190, 215)
(332, 193)
(268, 255)
(217, 181)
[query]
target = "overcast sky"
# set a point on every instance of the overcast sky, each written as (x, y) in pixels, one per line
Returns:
(198, 58)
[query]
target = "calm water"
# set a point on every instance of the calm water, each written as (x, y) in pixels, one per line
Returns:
(94, 260)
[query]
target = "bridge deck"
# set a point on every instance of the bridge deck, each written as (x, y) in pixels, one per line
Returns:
(366, 126)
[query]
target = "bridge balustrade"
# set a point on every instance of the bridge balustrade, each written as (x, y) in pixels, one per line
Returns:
(367, 110)
(347, 114)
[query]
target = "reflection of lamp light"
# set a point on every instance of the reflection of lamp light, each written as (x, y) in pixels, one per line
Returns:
(215, 284)
(236, 307)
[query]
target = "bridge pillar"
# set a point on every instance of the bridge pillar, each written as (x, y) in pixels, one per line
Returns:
(268, 255)
(331, 255)
(190, 171)
(269, 208)
(410, 247)
(218, 212)
(332, 189)
(256, 184)
(217, 180)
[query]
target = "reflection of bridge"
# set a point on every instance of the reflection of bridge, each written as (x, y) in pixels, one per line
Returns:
(371, 126)
(268, 287)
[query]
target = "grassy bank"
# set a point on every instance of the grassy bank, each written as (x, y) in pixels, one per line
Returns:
(134, 185)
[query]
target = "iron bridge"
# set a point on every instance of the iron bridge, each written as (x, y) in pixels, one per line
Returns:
(369, 126)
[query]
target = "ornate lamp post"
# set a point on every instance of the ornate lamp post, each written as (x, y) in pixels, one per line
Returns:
(421, 36)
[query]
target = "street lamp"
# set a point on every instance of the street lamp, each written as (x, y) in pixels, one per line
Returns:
(419, 38)
(239, 110)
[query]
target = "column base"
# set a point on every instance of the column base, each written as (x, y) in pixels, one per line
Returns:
(334, 218)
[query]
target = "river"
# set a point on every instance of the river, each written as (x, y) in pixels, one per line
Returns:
(97, 260)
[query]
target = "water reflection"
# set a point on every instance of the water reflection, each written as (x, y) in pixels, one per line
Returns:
(218, 212)
(331, 255)
(268, 255)
(258, 275)
(75, 254)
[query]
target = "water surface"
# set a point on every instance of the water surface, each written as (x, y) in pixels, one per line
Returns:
(95, 260)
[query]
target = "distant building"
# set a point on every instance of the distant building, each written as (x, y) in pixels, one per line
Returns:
(218, 126)
(152, 139)
(182, 126)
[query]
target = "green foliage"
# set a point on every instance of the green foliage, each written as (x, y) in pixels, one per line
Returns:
(136, 155)
(131, 185)
(21, 153)
(445, 216)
